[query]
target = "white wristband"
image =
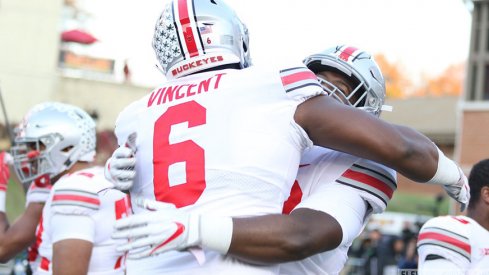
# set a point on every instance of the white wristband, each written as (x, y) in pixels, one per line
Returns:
(2, 201)
(447, 172)
(216, 233)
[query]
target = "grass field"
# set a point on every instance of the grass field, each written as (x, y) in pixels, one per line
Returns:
(15, 200)
(417, 204)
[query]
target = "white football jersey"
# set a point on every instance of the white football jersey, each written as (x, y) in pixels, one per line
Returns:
(458, 239)
(221, 142)
(85, 193)
(320, 168)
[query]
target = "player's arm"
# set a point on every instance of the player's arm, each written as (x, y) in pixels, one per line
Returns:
(352, 131)
(21, 234)
(266, 239)
(331, 215)
(71, 255)
(72, 224)
(401, 148)
(283, 238)
(317, 224)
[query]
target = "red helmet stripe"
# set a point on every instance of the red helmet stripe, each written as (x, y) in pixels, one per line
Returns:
(185, 22)
(347, 52)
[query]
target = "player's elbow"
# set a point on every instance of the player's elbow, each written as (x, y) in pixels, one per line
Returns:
(298, 248)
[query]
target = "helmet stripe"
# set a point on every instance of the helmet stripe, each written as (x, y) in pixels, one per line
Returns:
(347, 53)
(201, 48)
(187, 25)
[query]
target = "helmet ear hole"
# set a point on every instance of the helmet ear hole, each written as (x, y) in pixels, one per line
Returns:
(67, 149)
(213, 2)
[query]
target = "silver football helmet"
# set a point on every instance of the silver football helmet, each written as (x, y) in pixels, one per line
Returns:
(369, 92)
(51, 138)
(195, 35)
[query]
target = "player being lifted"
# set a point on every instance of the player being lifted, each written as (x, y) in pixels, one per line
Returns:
(225, 139)
(58, 140)
(459, 244)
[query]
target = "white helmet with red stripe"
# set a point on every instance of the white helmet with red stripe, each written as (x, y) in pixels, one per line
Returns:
(359, 65)
(195, 35)
(51, 138)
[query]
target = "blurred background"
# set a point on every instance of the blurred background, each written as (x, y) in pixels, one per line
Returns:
(434, 54)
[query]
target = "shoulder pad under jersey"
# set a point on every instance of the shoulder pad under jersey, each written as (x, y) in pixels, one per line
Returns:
(300, 83)
(77, 193)
(375, 182)
(446, 236)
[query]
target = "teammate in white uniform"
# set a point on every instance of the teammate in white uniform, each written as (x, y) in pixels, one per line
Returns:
(459, 244)
(56, 142)
(21, 234)
(80, 213)
(226, 140)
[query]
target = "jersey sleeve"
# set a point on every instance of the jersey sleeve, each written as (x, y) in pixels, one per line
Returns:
(440, 267)
(343, 204)
(376, 183)
(74, 203)
(447, 238)
(75, 196)
(72, 227)
(300, 83)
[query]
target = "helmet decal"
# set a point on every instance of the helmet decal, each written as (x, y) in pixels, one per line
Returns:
(348, 53)
(196, 35)
(166, 41)
(192, 42)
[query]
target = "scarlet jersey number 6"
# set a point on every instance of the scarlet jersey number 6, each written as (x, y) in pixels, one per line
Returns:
(166, 154)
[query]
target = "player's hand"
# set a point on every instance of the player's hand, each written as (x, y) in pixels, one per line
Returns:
(161, 229)
(39, 190)
(5, 160)
(120, 168)
(460, 191)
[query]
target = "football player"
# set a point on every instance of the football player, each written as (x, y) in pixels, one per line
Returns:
(58, 141)
(459, 244)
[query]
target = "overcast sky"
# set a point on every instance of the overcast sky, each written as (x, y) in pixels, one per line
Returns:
(425, 36)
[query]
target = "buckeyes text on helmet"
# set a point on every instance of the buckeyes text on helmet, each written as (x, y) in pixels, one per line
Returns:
(51, 138)
(195, 35)
(369, 93)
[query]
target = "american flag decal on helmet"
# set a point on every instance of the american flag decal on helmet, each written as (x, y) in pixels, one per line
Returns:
(375, 182)
(74, 197)
(298, 77)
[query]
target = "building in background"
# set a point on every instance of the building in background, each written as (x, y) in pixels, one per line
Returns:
(40, 62)
(473, 134)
